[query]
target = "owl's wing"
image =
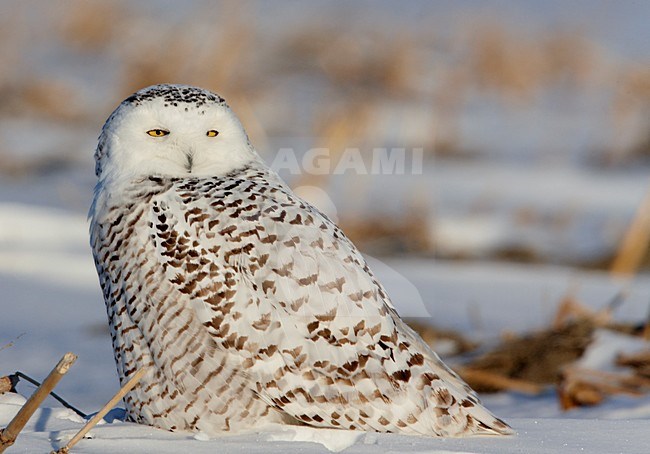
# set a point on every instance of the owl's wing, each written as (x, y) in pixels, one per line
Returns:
(277, 283)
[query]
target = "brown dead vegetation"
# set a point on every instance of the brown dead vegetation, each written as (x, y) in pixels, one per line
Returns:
(532, 362)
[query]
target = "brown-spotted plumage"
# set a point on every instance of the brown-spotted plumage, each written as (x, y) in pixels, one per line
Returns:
(248, 304)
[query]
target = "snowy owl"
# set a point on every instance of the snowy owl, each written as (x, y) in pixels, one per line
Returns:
(246, 304)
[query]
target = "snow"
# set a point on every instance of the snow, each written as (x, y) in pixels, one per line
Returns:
(606, 346)
(58, 253)
(51, 428)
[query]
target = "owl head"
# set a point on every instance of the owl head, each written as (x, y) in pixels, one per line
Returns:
(172, 130)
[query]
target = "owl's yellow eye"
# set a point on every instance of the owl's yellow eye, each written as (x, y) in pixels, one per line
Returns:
(212, 133)
(157, 132)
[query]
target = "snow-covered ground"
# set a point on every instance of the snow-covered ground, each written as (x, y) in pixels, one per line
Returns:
(52, 428)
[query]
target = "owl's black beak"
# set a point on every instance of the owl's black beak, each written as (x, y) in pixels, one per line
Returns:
(189, 161)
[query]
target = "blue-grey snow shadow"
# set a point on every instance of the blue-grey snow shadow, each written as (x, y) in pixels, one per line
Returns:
(116, 414)
(43, 417)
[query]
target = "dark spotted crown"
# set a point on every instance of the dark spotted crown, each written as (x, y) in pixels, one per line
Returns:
(174, 95)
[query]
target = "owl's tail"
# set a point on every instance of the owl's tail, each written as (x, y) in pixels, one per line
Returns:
(452, 408)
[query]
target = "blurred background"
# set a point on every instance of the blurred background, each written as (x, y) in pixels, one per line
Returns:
(524, 125)
(533, 117)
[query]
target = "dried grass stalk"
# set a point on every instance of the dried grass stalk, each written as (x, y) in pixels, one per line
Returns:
(104, 410)
(485, 379)
(10, 433)
(635, 243)
(584, 387)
